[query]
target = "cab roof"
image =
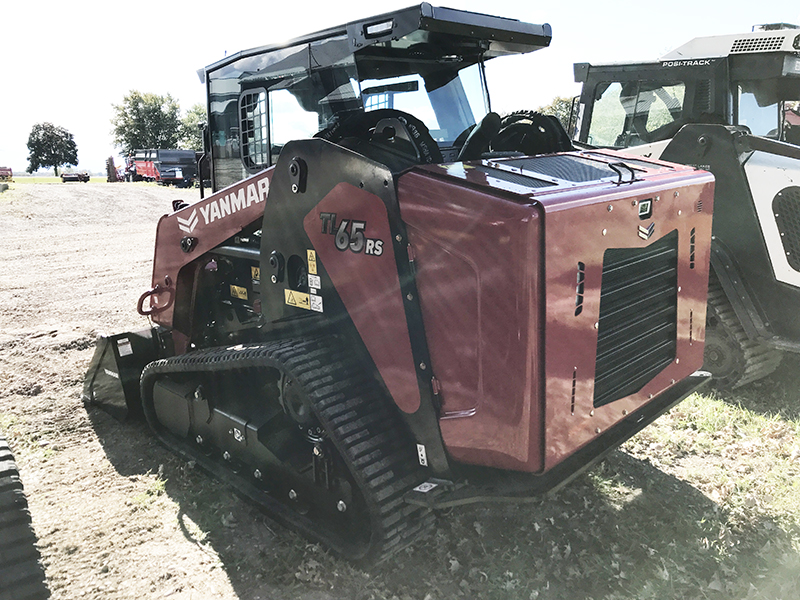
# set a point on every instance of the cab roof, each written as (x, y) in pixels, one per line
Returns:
(449, 30)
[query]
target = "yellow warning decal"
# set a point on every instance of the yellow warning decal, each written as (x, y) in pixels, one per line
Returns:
(298, 299)
(238, 292)
(312, 262)
(255, 272)
(305, 301)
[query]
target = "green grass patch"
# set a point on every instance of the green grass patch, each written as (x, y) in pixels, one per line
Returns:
(36, 179)
(155, 486)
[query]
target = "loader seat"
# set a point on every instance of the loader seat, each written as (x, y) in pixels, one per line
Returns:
(392, 137)
(480, 137)
(531, 133)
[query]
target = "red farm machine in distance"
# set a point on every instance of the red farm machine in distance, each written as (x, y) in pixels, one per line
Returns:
(389, 305)
(166, 167)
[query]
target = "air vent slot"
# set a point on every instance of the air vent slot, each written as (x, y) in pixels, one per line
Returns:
(691, 248)
(786, 208)
(758, 44)
(579, 288)
(574, 386)
(637, 332)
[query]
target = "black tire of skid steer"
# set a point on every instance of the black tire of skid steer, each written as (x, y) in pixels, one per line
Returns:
(21, 571)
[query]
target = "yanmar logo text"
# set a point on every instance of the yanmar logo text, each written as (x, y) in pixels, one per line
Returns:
(253, 193)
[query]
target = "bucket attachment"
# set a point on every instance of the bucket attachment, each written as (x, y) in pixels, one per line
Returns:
(112, 382)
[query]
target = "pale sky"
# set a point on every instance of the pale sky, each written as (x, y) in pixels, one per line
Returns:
(68, 62)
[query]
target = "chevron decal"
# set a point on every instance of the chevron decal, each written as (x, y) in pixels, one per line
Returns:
(647, 232)
(188, 225)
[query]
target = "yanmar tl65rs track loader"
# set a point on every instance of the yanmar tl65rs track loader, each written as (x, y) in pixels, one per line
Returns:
(729, 104)
(371, 309)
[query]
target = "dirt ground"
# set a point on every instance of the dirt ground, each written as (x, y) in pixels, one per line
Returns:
(118, 517)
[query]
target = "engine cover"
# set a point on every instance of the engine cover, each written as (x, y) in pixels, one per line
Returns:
(560, 294)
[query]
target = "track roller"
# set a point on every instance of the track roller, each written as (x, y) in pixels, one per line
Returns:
(303, 430)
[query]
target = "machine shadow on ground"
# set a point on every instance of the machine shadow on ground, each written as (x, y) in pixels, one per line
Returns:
(626, 529)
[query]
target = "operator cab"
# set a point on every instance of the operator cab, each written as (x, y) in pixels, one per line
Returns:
(752, 80)
(401, 88)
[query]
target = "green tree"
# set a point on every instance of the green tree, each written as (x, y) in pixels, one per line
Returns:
(560, 107)
(191, 136)
(146, 121)
(51, 146)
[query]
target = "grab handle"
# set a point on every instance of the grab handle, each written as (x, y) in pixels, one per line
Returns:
(156, 291)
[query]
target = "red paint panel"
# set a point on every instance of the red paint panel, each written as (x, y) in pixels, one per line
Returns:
(478, 258)
(571, 340)
(497, 265)
(369, 286)
(211, 221)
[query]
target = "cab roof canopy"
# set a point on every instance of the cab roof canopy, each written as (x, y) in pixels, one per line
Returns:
(783, 40)
(418, 33)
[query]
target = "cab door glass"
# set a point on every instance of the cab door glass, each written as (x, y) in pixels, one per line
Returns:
(288, 121)
(636, 113)
(791, 123)
(665, 108)
(608, 116)
(759, 119)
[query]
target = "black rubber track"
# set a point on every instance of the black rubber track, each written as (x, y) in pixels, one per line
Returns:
(740, 359)
(21, 573)
(358, 418)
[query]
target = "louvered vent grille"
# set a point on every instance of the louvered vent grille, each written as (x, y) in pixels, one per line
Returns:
(514, 178)
(786, 207)
(566, 167)
(703, 96)
(637, 336)
(759, 44)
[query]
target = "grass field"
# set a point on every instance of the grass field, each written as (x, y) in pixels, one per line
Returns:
(24, 180)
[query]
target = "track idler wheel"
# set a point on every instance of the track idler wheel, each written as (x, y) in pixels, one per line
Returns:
(723, 358)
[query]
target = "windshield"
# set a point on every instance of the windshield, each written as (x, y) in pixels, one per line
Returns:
(446, 110)
(448, 101)
(764, 113)
(634, 113)
(260, 102)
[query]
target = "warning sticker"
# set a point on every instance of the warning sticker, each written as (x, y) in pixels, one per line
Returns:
(124, 347)
(298, 299)
(314, 281)
(312, 262)
(238, 292)
(303, 300)
(255, 273)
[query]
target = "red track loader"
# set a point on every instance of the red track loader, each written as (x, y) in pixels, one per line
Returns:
(388, 305)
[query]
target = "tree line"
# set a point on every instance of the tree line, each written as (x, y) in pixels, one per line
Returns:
(141, 120)
(145, 120)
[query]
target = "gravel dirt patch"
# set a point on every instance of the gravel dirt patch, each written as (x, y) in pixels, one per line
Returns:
(703, 504)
